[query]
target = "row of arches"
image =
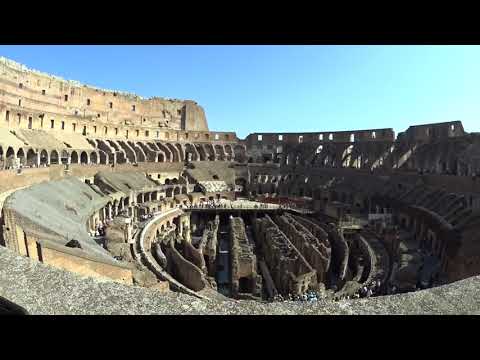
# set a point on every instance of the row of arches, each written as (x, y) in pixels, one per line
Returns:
(320, 154)
(30, 157)
(112, 152)
(154, 151)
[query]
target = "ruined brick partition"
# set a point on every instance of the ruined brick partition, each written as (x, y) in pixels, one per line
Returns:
(291, 273)
(244, 262)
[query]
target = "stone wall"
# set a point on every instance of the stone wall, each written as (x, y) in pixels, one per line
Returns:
(290, 271)
(43, 93)
(193, 255)
(186, 272)
(243, 261)
(85, 267)
(45, 290)
(306, 243)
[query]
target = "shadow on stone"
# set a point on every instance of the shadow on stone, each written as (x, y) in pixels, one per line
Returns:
(10, 308)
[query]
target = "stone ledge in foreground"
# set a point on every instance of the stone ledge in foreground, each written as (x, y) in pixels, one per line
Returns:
(42, 289)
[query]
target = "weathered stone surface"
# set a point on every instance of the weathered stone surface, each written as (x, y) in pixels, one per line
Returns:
(42, 289)
(144, 277)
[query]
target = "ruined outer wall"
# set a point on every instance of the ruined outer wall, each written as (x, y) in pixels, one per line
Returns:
(193, 117)
(31, 100)
(43, 92)
(429, 132)
(278, 139)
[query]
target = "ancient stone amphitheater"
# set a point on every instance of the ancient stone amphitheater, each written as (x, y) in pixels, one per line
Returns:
(115, 204)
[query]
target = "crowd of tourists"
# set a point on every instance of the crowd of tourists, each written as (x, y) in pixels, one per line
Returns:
(212, 204)
(309, 296)
(373, 288)
(146, 216)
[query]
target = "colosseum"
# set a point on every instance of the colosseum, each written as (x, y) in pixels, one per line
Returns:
(116, 204)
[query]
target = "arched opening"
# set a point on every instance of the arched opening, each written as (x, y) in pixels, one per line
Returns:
(244, 285)
(21, 157)
(31, 158)
(347, 156)
(176, 191)
(83, 158)
(228, 152)
(54, 157)
(210, 152)
(239, 153)
(220, 152)
(180, 152)
(128, 152)
(191, 152)
(117, 158)
(174, 152)
(201, 152)
(166, 151)
(10, 155)
(43, 157)
(93, 157)
(74, 157)
(103, 157)
(64, 157)
(140, 156)
(184, 190)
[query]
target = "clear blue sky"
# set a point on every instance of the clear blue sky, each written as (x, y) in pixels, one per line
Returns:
(284, 88)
